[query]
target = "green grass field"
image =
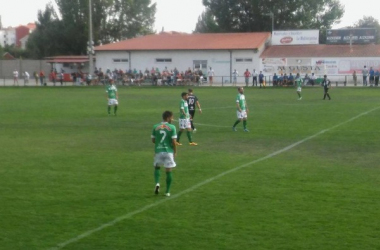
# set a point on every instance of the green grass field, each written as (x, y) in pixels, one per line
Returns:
(306, 176)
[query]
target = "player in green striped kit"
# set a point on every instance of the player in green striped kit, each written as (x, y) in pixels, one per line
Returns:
(184, 120)
(298, 84)
(242, 110)
(112, 97)
(164, 138)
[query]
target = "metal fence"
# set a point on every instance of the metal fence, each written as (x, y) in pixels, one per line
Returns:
(218, 81)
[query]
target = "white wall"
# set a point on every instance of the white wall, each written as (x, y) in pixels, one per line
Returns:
(219, 60)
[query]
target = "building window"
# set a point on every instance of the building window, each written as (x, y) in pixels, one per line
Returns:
(163, 60)
(243, 60)
(120, 60)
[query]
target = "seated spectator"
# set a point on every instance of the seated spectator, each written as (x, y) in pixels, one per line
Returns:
(275, 79)
(280, 80)
(285, 80)
(291, 79)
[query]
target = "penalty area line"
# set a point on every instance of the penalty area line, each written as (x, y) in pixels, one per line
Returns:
(200, 184)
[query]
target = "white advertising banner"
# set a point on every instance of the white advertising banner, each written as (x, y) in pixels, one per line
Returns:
(295, 37)
(319, 66)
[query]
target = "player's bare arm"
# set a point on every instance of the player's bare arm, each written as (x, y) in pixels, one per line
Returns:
(174, 143)
(199, 107)
(238, 107)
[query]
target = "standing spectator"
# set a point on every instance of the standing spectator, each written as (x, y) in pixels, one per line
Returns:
(235, 74)
(306, 79)
(164, 138)
(42, 77)
(211, 74)
(192, 102)
(79, 78)
(61, 77)
(355, 78)
(247, 75)
(242, 110)
(88, 79)
(298, 82)
(377, 75)
(26, 77)
(371, 77)
(326, 84)
(15, 77)
(254, 78)
(312, 79)
(35, 74)
(365, 74)
(261, 79)
(53, 76)
(184, 120)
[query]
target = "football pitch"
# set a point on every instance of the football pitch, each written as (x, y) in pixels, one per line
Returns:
(306, 176)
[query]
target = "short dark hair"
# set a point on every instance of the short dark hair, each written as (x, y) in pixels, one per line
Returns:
(325, 76)
(183, 94)
(166, 115)
(190, 90)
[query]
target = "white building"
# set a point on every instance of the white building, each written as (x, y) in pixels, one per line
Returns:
(224, 52)
(7, 36)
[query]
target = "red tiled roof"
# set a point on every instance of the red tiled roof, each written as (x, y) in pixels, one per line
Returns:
(177, 41)
(322, 50)
(67, 59)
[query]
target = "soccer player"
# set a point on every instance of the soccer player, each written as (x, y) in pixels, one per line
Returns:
(164, 138)
(184, 120)
(112, 97)
(326, 84)
(192, 101)
(298, 84)
(242, 110)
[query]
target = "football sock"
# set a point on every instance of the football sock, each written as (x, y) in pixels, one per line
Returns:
(236, 123)
(245, 124)
(324, 96)
(115, 109)
(157, 175)
(192, 125)
(109, 109)
(169, 179)
(179, 135)
(328, 96)
(189, 136)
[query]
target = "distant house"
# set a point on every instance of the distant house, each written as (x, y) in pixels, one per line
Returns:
(224, 52)
(17, 36)
(8, 56)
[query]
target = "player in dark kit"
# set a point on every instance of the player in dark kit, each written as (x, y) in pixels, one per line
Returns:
(192, 101)
(326, 84)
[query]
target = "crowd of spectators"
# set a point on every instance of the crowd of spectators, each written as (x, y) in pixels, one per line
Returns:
(153, 76)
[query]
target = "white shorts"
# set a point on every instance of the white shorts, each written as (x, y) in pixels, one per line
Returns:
(113, 102)
(299, 89)
(164, 159)
(242, 114)
(184, 123)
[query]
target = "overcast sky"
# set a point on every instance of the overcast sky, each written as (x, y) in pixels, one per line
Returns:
(176, 15)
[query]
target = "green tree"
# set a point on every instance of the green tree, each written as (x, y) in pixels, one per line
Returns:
(253, 15)
(369, 22)
(65, 32)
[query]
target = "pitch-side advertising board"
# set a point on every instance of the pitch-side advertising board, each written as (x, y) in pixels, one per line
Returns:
(295, 37)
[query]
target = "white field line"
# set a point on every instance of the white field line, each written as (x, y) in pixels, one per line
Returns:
(200, 184)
